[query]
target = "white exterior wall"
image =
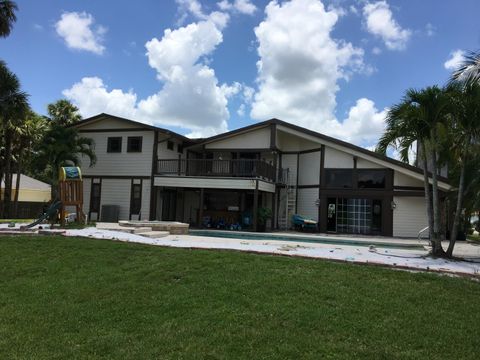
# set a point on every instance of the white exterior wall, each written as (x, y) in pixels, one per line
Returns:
(123, 163)
(117, 192)
(309, 168)
(400, 179)
(409, 216)
(306, 203)
(365, 164)
(337, 159)
(255, 139)
(289, 161)
(145, 209)
(87, 187)
(109, 123)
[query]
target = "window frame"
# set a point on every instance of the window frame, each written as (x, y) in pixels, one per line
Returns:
(133, 138)
(172, 147)
(351, 177)
(360, 171)
(109, 144)
(136, 203)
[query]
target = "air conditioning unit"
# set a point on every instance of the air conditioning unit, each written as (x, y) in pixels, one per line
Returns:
(110, 213)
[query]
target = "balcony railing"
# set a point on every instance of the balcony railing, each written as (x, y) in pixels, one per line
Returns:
(221, 168)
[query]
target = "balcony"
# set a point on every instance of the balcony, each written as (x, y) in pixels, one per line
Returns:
(245, 168)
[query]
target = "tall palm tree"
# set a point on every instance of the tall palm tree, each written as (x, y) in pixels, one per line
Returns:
(62, 146)
(464, 130)
(7, 16)
(63, 112)
(13, 107)
(469, 70)
(420, 117)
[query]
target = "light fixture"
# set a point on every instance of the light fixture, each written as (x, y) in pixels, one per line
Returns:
(393, 205)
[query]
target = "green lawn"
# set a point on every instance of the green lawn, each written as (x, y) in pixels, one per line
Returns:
(65, 298)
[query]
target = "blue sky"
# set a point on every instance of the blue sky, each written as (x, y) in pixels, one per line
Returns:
(332, 66)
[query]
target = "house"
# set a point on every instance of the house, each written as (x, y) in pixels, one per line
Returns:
(153, 173)
(32, 196)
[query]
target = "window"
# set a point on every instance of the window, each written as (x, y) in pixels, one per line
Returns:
(170, 145)
(371, 179)
(136, 199)
(134, 144)
(114, 144)
(95, 198)
(339, 178)
(179, 148)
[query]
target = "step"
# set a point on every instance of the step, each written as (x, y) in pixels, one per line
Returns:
(154, 234)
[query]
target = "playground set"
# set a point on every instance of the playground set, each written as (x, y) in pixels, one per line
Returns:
(70, 193)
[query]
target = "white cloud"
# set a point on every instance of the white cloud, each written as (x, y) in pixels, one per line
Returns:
(78, 31)
(194, 8)
(191, 96)
(92, 97)
(376, 50)
(379, 21)
(241, 6)
(299, 69)
(455, 60)
(430, 30)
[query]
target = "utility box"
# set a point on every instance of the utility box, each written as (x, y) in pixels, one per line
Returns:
(110, 213)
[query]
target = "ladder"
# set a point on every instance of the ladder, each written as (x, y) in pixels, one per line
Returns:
(288, 199)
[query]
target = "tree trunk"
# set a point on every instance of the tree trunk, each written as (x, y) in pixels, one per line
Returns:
(7, 195)
(438, 250)
(458, 208)
(17, 188)
(428, 200)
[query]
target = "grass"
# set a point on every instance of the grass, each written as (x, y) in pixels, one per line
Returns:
(474, 237)
(7, 221)
(65, 298)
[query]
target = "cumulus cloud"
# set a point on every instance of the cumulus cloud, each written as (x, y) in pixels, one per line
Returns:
(78, 32)
(191, 96)
(455, 60)
(299, 69)
(379, 21)
(241, 6)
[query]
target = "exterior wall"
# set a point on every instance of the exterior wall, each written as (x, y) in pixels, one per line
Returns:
(212, 183)
(123, 163)
(306, 203)
(289, 142)
(309, 168)
(289, 161)
(163, 152)
(409, 216)
(337, 159)
(117, 192)
(87, 187)
(30, 195)
(109, 123)
(365, 164)
(400, 179)
(255, 139)
(145, 209)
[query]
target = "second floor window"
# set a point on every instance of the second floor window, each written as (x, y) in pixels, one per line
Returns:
(114, 144)
(134, 144)
(170, 145)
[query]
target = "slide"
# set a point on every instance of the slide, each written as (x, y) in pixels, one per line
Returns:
(52, 210)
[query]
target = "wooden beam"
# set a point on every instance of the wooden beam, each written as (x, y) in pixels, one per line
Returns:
(255, 206)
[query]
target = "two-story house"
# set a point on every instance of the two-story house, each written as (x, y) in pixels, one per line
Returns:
(153, 173)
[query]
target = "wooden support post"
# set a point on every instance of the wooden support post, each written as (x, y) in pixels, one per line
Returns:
(274, 209)
(200, 210)
(255, 206)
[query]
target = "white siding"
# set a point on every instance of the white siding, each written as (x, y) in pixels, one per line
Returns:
(409, 216)
(123, 163)
(289, 161)
(266, 186)
(163, 152)
(309, 168)
(405, 180)
(256, 139)
(306, 203)
(145, 210)
(365, 164)
(338, 159)
(87, 187)
(117, 192)
(109, 123)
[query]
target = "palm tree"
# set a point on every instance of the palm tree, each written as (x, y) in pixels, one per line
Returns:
(63, 112)
(469, 70)
(62, 146)
(464, 130)
(13, 107)
(420, 117)
(27, 136)
(7, 16)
